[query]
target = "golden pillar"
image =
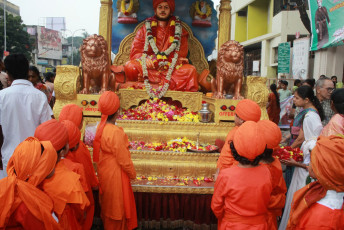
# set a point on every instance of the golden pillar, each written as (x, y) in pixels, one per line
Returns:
(105, 22)
(224, 22)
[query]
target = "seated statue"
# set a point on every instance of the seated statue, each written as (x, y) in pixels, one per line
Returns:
(159, 50)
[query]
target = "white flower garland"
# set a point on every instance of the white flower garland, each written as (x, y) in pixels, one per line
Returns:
(175, 46)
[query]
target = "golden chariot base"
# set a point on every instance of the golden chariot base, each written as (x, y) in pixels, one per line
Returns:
(164, 164)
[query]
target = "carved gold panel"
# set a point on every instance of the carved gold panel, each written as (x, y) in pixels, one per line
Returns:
(190, 100)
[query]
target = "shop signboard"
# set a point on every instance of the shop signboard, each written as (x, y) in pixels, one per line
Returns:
(284, 57)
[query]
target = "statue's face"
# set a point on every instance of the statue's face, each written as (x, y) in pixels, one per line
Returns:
(93, 49)
(233, 54)
(163, 10)
(319, 3)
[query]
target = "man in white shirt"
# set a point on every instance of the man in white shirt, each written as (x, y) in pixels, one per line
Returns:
(22, 108)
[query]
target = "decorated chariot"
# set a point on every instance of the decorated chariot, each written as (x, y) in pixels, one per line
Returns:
(163, 78)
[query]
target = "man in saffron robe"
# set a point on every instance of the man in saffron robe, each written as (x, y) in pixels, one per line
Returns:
(64, 188)
(319, 205)
(115, 168)
(23, 205)
(246, 110)
(242, 192)
(163, 27)
(272, 135)
(82, 155)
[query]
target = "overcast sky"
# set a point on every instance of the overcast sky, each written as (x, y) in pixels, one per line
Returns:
(79, 14)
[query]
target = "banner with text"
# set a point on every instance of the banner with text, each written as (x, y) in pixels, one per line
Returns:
(284, 57)
(300, 58)
(327, 22)
(49, 43)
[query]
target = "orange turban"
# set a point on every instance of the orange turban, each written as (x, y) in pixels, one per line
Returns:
(327, 161)
(248, 140)
(108, 104)
(73, 133)
(271, 132)
(54, 132)
(248, 110)
(26, 169)
(170, 3)
(72, 113)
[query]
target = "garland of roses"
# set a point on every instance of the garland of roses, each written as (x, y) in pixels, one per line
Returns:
(130, 8)
(163, 57)
(199, 12)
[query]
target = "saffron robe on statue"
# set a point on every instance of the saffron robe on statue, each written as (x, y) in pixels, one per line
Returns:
(183, 79)
(68, 196)
(115, 167)
(241, 198)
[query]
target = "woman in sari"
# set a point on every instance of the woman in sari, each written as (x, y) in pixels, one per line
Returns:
(273, 106)
(311, 127)
(336, 124)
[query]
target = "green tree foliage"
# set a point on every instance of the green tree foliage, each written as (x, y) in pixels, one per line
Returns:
(17, 39)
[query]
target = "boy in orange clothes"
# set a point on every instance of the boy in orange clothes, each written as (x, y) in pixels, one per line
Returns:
(111, 151)
(242, 192)
(319, 205)
(23, 205)
(272, 135)
(64, 187)
(82, 155)
(246, 110)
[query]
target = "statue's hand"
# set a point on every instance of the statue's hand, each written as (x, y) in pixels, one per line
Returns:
(183, 61)
(102, 90)
(149, 63)
(317, 31)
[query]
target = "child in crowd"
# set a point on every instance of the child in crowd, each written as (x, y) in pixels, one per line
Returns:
(246, 110)
(242, 192)
(115, 167)
(284, 93)
(82, 155)
(272, 135)
(64, 187)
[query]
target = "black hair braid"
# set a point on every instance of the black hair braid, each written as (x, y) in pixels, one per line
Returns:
(273, 88)
(318, 106)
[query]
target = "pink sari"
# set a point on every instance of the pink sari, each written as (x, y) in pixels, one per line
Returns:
(335, 126)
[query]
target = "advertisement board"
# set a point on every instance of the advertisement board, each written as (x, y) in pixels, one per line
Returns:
(300, 58)
(327, 22)
(49, 43)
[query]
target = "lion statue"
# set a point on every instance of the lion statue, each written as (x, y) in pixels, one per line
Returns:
(230, 66)
(95, 65)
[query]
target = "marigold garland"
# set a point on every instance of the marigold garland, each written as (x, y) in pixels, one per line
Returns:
(163, 57)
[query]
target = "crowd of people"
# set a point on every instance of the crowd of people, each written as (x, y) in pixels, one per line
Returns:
(48, 179)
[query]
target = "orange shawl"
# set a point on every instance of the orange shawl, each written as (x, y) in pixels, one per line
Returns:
(327, 161)
(27, 168)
